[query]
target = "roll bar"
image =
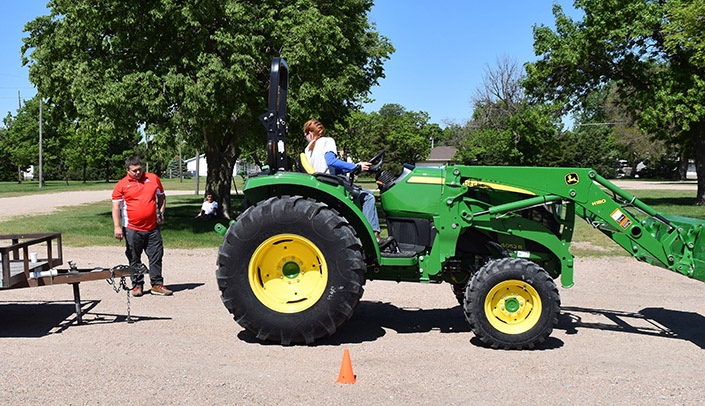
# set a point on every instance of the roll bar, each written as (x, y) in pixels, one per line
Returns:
(274, 120)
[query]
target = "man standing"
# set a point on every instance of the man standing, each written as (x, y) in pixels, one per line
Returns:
(139, 200)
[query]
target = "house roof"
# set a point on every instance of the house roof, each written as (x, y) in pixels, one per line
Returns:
(194, 158)
(442, 153)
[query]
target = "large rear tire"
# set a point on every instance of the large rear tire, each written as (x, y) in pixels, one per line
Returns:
(512, 303)
(290, 270)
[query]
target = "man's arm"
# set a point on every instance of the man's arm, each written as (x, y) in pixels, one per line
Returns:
(117, 226)
(161, 206)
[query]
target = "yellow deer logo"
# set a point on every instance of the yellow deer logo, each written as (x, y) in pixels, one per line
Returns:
(571, 179)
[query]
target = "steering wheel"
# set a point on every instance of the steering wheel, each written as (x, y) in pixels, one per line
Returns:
(379, 157)
(374, 168)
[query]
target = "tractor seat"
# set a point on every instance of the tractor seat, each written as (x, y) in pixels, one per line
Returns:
(306, 164)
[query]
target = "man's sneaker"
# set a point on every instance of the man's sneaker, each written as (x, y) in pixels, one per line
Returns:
(137, 291)
(161, 290)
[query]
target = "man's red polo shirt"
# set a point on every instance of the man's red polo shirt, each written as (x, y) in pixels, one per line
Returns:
(139, 201)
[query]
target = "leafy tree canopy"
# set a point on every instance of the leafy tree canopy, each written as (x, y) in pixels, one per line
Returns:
(198, 70)
(624, 41)
(21, 141)
(507, 128)
(686, 29)
(406, 135)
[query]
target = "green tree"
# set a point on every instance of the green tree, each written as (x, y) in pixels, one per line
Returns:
(624, 41)
(507, 128)
(8, 171)
(21, 145)
(591, 143)
(199, 70)
(406, 135)
(685, 30)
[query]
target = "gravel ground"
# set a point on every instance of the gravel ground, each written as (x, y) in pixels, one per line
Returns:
(629, 333)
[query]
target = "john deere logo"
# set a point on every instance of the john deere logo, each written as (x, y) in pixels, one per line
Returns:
(571, 179)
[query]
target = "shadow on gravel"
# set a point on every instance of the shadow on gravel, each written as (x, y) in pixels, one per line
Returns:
(650, 321)
(35, 319)
(180, 287)
(550, 343)
(370, 320)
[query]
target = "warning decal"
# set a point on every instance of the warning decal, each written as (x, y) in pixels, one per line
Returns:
(620, 218)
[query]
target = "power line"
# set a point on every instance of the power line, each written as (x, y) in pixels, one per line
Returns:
(586, 124)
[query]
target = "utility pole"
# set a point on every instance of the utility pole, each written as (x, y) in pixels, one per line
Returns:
(198, 170)
(181, 169)
(41, 175)
(20, 176)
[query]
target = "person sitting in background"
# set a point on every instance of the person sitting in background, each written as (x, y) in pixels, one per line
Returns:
(209, 208)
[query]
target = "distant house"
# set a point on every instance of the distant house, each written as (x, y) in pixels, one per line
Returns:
(240, 165)
(202, 165)
(439, 156)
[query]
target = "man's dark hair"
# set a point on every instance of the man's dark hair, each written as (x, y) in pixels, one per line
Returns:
(133, 160)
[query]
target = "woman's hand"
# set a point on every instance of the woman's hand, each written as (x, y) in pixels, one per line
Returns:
(364, 166)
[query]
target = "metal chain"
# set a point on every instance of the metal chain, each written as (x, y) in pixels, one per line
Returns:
(127, 291)
(122, 285)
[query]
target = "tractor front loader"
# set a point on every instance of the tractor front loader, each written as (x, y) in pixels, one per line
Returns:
(292, 268)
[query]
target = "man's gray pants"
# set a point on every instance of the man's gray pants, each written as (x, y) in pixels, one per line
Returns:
(149, 242)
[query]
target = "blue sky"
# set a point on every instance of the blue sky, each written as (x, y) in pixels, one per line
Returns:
(443, 47)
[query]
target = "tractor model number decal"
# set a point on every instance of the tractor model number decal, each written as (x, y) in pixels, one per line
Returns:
(601, 201)
(572, 179)
(511, 246)
(621, 219)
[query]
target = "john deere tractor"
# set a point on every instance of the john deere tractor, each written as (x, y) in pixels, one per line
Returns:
(292, 268)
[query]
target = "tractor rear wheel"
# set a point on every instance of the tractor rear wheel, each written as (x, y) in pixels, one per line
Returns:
(290, 270)
(512, 303)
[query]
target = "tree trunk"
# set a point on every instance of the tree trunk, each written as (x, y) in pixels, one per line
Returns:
(697, 134)
(221, 153)
(107, 170)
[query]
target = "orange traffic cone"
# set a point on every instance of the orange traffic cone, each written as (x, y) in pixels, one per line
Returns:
(346, 371)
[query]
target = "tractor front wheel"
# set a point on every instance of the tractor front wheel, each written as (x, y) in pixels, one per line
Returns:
(512, 303)
(290, 270)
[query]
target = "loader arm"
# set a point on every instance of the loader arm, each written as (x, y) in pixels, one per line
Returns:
(671, 242)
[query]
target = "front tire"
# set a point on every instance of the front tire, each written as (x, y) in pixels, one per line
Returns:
(290, 270)
(512, 303)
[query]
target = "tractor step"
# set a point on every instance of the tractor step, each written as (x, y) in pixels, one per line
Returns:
(399, 254)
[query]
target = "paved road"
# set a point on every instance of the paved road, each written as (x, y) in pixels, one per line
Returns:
(48, 202)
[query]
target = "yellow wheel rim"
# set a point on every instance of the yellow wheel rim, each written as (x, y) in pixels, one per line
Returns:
(513, 307)
(288, 273)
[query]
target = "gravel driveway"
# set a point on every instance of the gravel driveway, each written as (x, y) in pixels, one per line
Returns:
(629, 333)
(48, 202)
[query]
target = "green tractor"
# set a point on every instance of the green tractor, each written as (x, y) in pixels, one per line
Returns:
(292, 268)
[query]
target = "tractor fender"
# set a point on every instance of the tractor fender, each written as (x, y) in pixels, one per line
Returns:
(323, 188)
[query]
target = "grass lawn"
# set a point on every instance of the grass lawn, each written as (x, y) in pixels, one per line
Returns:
(92, 224)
